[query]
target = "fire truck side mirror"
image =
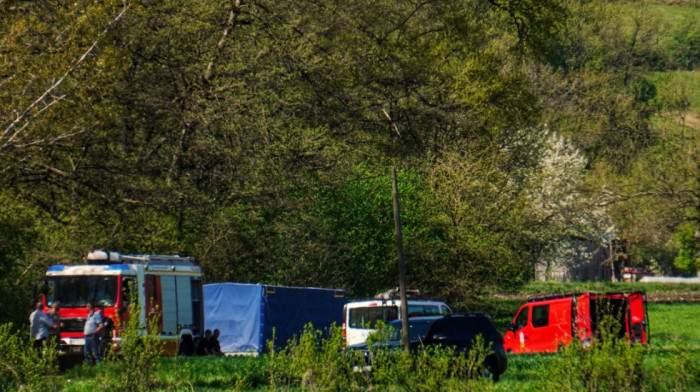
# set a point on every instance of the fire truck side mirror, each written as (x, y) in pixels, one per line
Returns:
(45, 287)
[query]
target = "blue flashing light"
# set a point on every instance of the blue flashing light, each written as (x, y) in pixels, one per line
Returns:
(57, 268)
(118, 267)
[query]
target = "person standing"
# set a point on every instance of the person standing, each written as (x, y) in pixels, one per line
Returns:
(106, 334)
(55, 330)
(93, 327)
(39, 324)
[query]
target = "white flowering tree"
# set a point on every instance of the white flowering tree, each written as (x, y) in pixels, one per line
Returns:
(571, 220)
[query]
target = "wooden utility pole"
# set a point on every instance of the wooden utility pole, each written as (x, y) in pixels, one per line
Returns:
(402, 264)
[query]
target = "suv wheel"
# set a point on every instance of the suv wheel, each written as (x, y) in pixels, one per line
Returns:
(490, 372)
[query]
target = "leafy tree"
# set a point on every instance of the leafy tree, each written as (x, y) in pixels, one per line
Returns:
(674, 96)
(685, 49)
(17, 236)
(484, 215)
(688, 239)
(567, 214)
(257, 136)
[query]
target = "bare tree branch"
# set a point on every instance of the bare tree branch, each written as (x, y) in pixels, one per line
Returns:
(232, 17)
(52, 140)
(26, 114)
(615, 197)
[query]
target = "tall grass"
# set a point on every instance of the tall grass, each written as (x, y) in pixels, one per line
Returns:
(670, 363)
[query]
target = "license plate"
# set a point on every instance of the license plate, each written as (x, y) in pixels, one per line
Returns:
(76, 349)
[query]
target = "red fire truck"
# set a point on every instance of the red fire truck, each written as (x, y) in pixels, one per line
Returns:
(170, 287)
(544, 324)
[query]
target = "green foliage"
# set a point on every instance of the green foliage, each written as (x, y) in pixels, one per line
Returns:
(433, 368)
(613, 364)
(670, 364)
(610, 364)
(674, 94)
(688, 259)
(677, 370)
(244, 134)
(685, 47)
(24, 368)
(312, 362)
(137, 353)
(315, 363)
(17, 236)
(358, 215)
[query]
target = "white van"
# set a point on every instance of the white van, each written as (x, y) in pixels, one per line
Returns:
(361, 317)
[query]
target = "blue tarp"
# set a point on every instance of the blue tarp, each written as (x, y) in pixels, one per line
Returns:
(246, 314)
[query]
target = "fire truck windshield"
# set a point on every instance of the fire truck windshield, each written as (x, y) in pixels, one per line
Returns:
(77, 291)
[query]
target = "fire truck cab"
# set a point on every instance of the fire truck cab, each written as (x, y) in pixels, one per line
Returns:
(168, 286)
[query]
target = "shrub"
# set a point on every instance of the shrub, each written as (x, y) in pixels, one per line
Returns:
(610, 363)
(322, 364)
(22, 367)
(313, 362)
(432, 368)
(137, 355)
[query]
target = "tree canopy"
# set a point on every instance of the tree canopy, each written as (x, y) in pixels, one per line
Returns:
(258, 136)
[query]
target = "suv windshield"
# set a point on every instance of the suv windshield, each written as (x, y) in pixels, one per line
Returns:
(77, 291)
(417, 329)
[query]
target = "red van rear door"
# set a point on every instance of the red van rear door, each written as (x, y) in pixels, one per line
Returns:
(638, 325)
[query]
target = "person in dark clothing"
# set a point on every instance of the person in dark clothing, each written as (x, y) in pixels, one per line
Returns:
(186, 343)
(203, 348)
(106, 333)
(214, 346)
(55, 331)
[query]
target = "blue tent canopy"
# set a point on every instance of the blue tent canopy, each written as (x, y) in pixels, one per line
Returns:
(247, 314)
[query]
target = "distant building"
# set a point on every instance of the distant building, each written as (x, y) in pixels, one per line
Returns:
(587, 261)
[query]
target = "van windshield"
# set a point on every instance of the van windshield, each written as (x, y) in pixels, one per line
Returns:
(77, 291)
(426, 310)
(367, 317)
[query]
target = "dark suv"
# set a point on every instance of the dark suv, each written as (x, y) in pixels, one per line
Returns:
(458, 331)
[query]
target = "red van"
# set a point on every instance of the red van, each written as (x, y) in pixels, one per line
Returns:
(546, 323)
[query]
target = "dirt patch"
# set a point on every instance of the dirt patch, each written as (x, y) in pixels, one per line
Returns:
(674, 297)
(689, 296)
(690, 120)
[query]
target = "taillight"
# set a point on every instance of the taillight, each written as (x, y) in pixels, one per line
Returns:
(345, 335)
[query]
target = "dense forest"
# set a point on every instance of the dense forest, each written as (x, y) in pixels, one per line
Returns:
(259, 137)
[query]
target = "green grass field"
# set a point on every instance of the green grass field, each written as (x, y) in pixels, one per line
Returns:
(674, 326)
(675, 330)
(502, 308)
